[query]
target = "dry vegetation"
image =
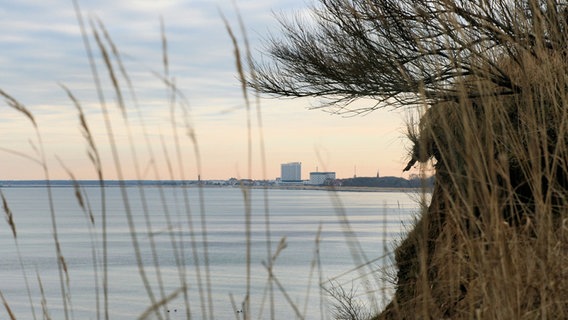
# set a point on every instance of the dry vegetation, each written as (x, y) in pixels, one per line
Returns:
(492, 78)
(492, 244)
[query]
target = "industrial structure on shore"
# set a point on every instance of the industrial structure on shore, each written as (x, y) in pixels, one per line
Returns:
(291, 173)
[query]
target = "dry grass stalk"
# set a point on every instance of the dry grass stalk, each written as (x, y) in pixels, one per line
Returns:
(9, 215)
(7, 307)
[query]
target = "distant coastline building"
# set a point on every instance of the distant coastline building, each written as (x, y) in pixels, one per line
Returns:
(291, 172)
(319, 178)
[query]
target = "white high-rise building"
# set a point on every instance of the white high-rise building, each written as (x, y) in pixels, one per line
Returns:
(291, 172)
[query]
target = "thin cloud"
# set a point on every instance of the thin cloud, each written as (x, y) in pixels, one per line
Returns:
(42, 47)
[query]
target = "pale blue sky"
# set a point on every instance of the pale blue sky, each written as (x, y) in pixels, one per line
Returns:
(41, 47)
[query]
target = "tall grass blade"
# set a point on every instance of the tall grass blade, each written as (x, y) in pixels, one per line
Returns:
(118, 166)
(154, 308)
(44, 308)
(83, 202)
(93, 153)
(7, 307)
(12, 224)
(9, 214)
(297, 312)
(139, 177)
(16, 105)
(254, 81)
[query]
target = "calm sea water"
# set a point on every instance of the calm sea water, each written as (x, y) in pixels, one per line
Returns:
(356, 227)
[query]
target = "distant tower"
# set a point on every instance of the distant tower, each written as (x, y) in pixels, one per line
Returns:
(291, 172)
(378, 175)
(355, 171)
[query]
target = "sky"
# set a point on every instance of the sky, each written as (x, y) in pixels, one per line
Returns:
(42, 51)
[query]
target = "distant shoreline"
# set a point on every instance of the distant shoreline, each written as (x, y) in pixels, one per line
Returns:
(343, 188)
(194, 184)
